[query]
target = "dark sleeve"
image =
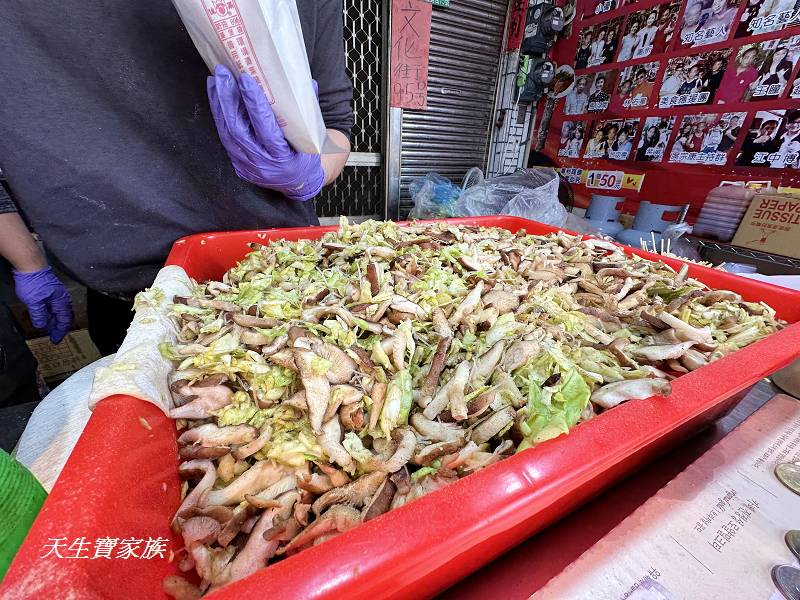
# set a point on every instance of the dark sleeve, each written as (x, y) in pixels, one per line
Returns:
(6, 203)
(328, 68)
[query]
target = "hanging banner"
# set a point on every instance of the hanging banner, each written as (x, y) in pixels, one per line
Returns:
(411, 41)
(516, 24)
(689, 93)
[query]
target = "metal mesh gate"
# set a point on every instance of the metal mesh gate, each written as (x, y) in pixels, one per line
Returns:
(359, 190)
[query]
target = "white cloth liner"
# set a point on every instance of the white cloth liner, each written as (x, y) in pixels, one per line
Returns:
(137, 370)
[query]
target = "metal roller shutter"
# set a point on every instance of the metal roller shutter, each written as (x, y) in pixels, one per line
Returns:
(452, 135)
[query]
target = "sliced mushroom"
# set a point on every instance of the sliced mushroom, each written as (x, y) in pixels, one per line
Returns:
(251, 448)
(337, 519)
(194, 468)
(468, 305)
(518, 354)
(493, 425)
(342, 366)
(612, 394)
(330, 440)
(257, 550)
(504, 301)
(435, 430)
(354, 494)
(209, 435)
(686, 331)
(378, 397)
(352, 417)
(380, 502)
(485, 365)
(451, 394)
(406, 444)
(191, 452)
(404, 305)
(316, 384)
(206, 398)
(315, 483)
(692, 359)
(284, 358)
(255, 479)
(430, 453)
(662, 351)
(372, 277)
(617, 348)
(251, 321)
(434, 372)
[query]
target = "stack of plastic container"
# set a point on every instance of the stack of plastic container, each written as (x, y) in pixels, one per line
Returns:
(603, 213)
(722, 212)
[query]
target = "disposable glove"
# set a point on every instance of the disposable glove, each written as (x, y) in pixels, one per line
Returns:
(47, 300)
(254, 141)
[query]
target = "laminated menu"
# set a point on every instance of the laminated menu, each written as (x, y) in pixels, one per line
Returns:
(715, 531)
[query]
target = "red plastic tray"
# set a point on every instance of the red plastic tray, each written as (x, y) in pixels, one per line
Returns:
(121, 480)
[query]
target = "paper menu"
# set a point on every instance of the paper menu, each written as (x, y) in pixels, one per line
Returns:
(713, 532)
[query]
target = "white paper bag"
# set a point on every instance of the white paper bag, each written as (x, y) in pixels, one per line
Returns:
(262, 38)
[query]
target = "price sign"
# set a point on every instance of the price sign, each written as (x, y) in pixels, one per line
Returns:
(605, 180)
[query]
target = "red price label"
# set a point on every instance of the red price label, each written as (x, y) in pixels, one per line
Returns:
(605, 180)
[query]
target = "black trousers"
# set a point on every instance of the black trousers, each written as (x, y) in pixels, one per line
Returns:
(109, 319)
(17, 364)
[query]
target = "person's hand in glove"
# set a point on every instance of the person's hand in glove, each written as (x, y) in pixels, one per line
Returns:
(36, 285)
(48, 301)
(254, 141)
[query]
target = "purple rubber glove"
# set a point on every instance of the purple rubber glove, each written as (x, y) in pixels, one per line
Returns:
(48, 301)
(254, 141)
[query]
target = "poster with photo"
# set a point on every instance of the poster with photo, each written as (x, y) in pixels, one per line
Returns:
(693, 79)
(773, 141)
(591, 93)
(765, 16)
(597, 44)
(707, 22)
(612, 138)
(635, 87)
(706, 139)
(598, 7)
(760, 71)
(648, 32)
(795, 92)
(602, 87)
(571, 142)
(653, 141)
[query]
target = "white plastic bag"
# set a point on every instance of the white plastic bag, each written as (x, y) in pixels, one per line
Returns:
(262, 38)
(530, 193)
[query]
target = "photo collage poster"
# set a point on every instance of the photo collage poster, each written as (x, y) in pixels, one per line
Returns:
(693, 83)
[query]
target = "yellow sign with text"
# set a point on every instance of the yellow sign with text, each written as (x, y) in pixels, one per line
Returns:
(603, 180)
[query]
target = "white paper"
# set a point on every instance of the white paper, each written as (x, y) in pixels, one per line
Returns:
(715, 531)
(263, 38)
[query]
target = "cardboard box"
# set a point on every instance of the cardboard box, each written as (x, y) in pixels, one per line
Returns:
(57, 362)
(771, 224)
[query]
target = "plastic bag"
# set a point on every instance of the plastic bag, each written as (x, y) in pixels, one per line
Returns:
(530, 193)
(268, 33)
(433, 197)
(679, 245)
